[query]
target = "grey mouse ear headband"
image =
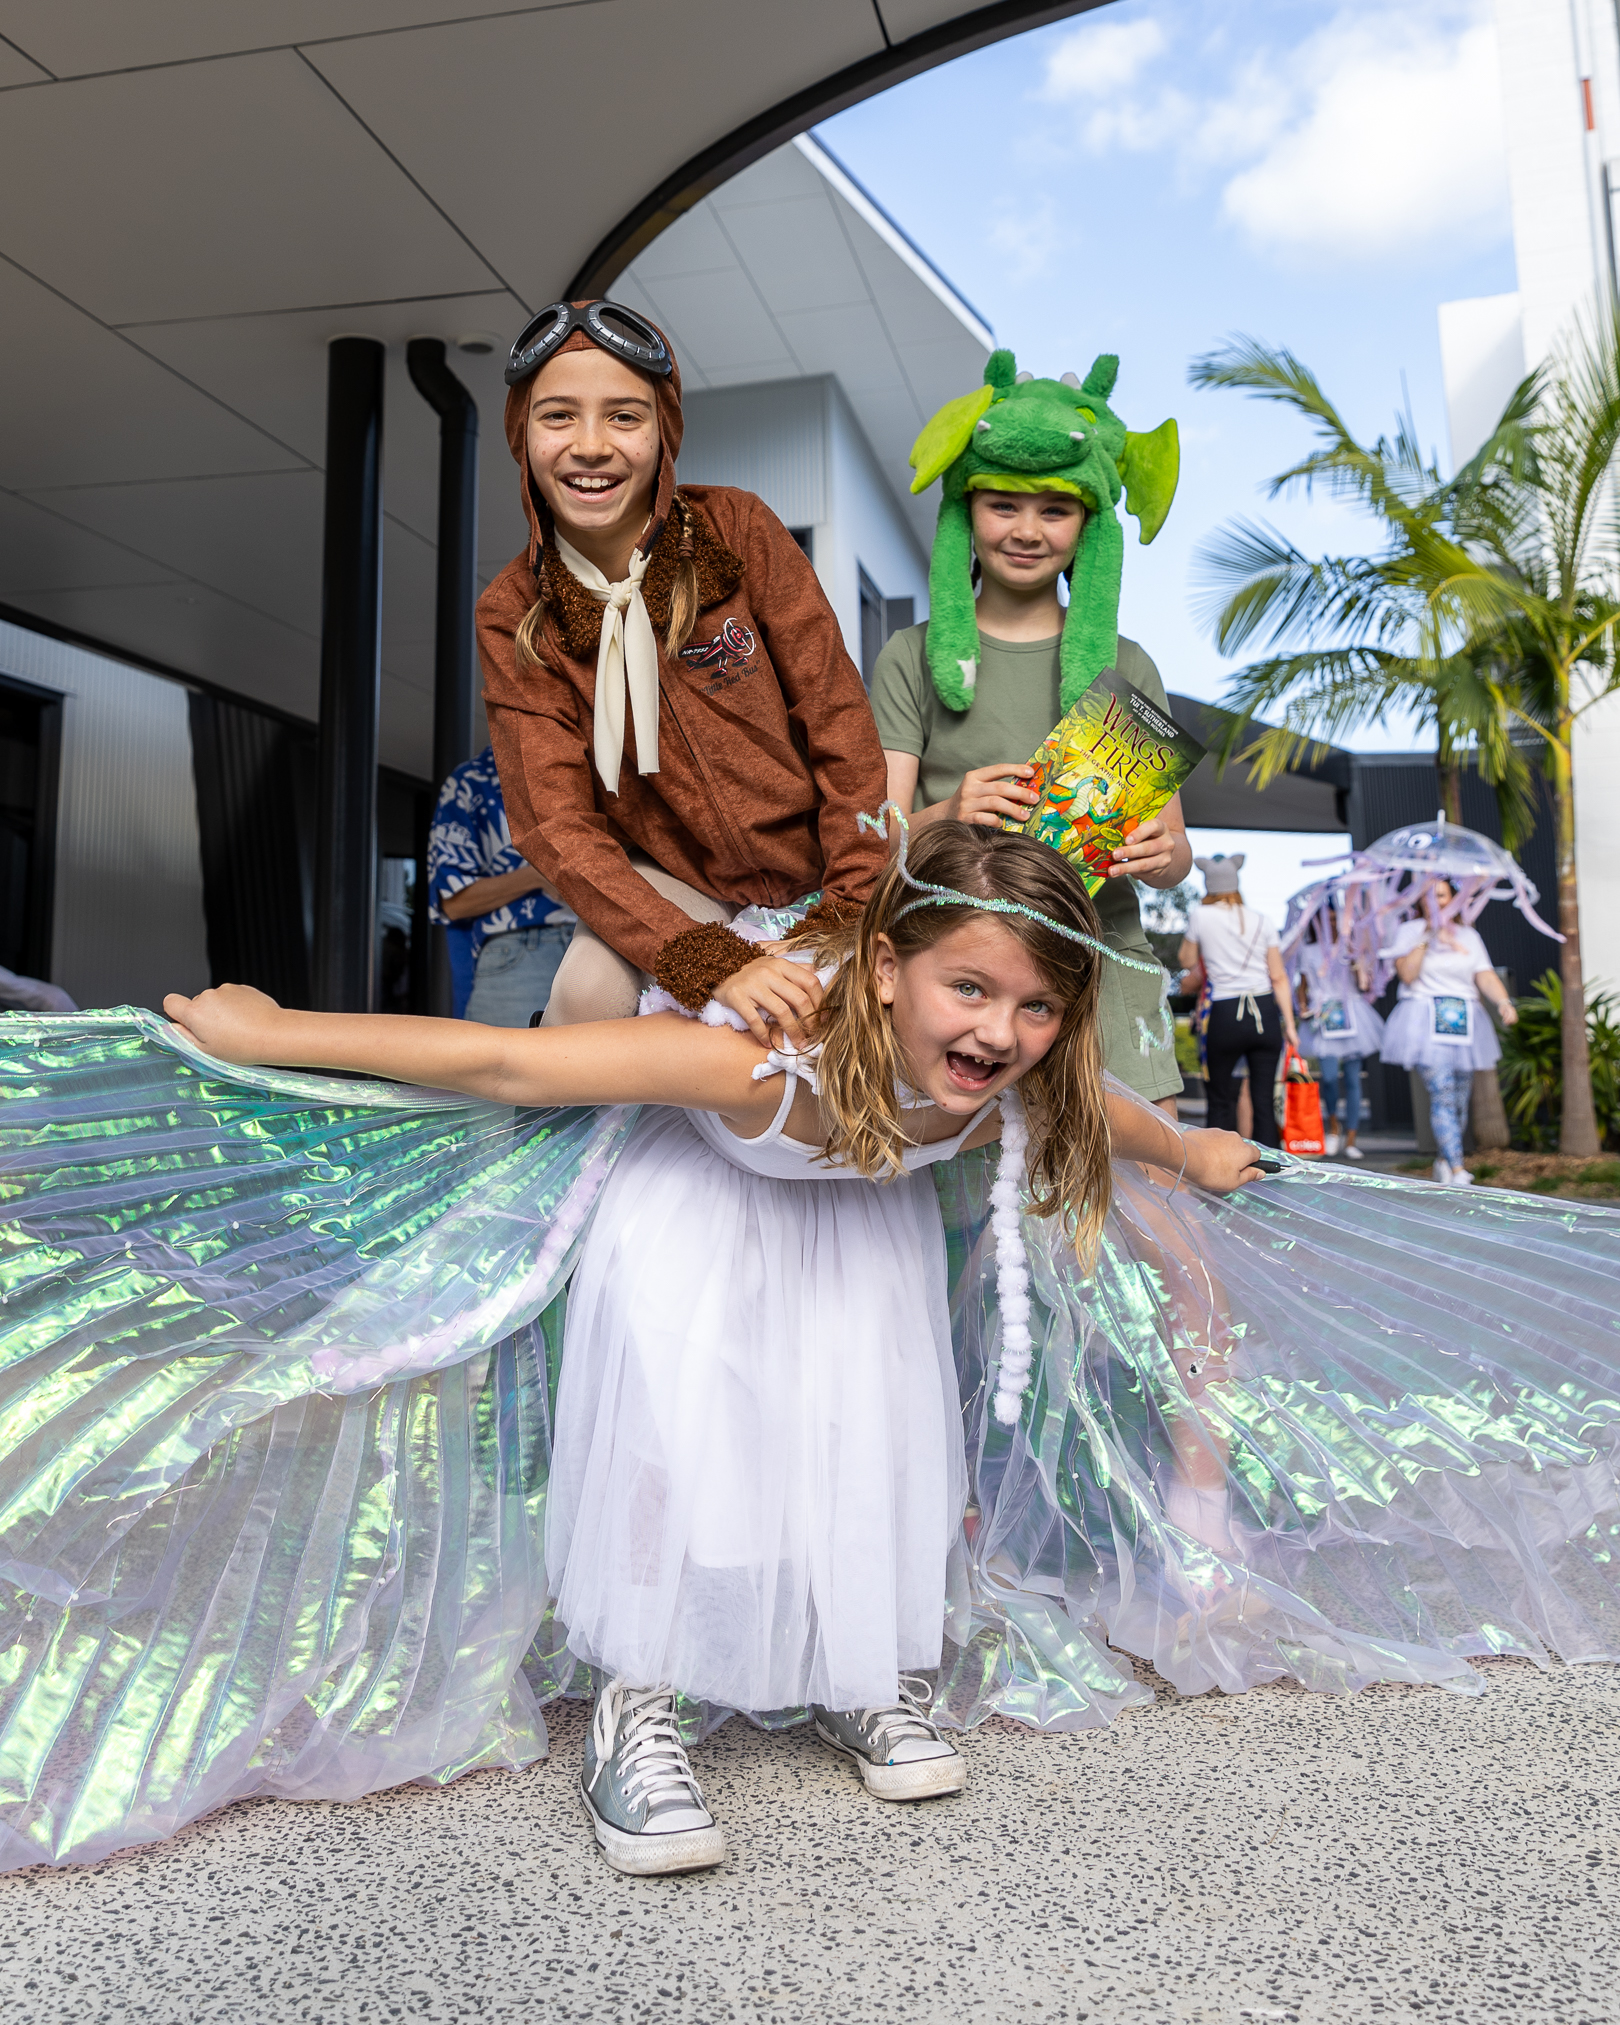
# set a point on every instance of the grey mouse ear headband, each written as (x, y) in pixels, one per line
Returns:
(947, 896)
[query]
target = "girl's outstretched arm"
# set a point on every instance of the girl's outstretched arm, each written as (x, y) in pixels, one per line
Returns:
(1220, 1161)
(661, 1060)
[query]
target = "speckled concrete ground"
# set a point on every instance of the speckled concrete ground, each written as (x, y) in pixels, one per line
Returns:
(1280, 1856)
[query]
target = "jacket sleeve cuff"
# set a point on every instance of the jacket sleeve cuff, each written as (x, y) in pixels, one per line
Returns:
(694, 963)
(832, 911)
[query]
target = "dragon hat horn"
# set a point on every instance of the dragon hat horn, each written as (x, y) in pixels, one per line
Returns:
(1020, 434)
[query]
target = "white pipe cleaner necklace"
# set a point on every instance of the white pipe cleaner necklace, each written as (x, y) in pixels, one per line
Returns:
(1012, 1264)
(1006, 1210)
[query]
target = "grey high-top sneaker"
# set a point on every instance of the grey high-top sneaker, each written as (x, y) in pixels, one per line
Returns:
(645, 1805)
(898, 1750)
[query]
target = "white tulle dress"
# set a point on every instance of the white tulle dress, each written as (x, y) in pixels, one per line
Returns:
(758, 1473)
(1341, 1023)
(1439, 1020)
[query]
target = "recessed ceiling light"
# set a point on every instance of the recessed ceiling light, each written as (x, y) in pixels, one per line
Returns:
(479, 342)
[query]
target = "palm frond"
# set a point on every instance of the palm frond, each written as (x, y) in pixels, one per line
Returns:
(1321, 695)
(1251, 584)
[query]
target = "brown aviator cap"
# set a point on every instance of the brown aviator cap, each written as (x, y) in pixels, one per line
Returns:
(670, 428)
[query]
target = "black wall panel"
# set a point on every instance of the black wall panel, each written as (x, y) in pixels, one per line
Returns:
(255, 778)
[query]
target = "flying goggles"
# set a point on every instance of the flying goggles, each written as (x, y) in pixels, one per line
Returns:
(609, 324)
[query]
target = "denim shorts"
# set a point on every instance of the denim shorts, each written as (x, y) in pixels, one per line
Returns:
(514, 975)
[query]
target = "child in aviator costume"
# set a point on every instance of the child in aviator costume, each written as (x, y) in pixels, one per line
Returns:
(961, 709)
(679, 729)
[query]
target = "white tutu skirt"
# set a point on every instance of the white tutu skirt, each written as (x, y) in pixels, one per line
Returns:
(1410, 1043)
(758, 1468)
(1365, 1037)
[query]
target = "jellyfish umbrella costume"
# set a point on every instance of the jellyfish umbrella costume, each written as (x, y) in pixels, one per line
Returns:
(279, 1354)
(1324, 939)
(1394, 880)
(1405, 865)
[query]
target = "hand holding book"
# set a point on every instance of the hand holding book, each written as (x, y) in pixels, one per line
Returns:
(1103, 775)
(992, 795)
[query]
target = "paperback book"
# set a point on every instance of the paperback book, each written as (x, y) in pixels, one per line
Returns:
(1113, 762)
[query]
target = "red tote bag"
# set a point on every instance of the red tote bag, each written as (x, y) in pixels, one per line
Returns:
(1302, 1107)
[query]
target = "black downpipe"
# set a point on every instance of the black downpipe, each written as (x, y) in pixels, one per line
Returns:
(345, 953)
(453, 691)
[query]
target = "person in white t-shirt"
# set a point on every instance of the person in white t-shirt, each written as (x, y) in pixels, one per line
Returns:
(1438, 1026)
(1251, 1006)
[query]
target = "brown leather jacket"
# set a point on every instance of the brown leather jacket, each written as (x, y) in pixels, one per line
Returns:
(767, 747)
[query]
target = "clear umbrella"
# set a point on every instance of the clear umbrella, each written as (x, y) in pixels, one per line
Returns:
(1407, 862)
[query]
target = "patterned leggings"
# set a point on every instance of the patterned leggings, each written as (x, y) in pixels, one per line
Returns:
(1449, 1091)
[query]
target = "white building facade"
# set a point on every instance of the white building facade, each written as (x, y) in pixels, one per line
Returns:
(1560, 65)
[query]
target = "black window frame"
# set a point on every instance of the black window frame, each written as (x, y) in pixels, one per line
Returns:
(34, 949)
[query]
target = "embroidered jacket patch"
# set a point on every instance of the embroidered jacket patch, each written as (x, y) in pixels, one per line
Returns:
(723, 656)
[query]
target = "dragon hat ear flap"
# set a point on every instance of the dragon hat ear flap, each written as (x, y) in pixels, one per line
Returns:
(1149, 467)
(952, 639)
(948, 434)
(1091, 630)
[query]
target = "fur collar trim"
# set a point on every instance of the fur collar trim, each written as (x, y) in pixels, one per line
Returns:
(687, 532)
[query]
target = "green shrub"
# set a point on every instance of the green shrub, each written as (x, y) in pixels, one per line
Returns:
(1532, 1070)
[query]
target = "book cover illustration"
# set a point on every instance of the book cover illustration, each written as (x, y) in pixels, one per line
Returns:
(1113, 762)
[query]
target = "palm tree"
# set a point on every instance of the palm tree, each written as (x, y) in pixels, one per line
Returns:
(1490, 610)
(1349, 635)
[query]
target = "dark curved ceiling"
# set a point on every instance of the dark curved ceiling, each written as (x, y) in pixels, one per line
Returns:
(201, 193)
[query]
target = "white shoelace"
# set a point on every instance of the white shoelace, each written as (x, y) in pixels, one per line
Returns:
(905, 1719)
(650, 1748)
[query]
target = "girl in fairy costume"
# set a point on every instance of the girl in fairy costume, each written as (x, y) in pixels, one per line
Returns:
(340, 1420)
(1032, 472)
(759, 1468)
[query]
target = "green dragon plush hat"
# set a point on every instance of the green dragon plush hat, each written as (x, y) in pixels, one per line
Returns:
(1020, 434)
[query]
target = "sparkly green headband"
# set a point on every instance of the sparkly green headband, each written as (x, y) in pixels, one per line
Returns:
(946, 896)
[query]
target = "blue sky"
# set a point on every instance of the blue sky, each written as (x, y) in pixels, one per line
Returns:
(1157, 175)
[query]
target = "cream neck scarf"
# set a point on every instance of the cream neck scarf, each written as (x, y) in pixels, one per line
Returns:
(626, 659)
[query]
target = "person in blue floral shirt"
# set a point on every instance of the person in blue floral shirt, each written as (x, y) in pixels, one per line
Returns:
(480, 886)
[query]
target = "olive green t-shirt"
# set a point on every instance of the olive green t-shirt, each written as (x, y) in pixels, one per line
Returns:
(1016, 702)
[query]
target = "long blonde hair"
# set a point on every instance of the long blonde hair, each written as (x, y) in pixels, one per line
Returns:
(862, 1064)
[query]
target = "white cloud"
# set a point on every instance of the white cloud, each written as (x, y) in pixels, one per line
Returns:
(1030, 238)
(1375, 134)
(1399, 138)
(1137, 125)
(1099, 58)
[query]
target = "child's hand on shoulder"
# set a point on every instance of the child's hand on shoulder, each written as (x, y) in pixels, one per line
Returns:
(774, 992)
(232, 1021)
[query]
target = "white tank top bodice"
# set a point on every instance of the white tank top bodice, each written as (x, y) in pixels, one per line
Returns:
(779, 1158)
